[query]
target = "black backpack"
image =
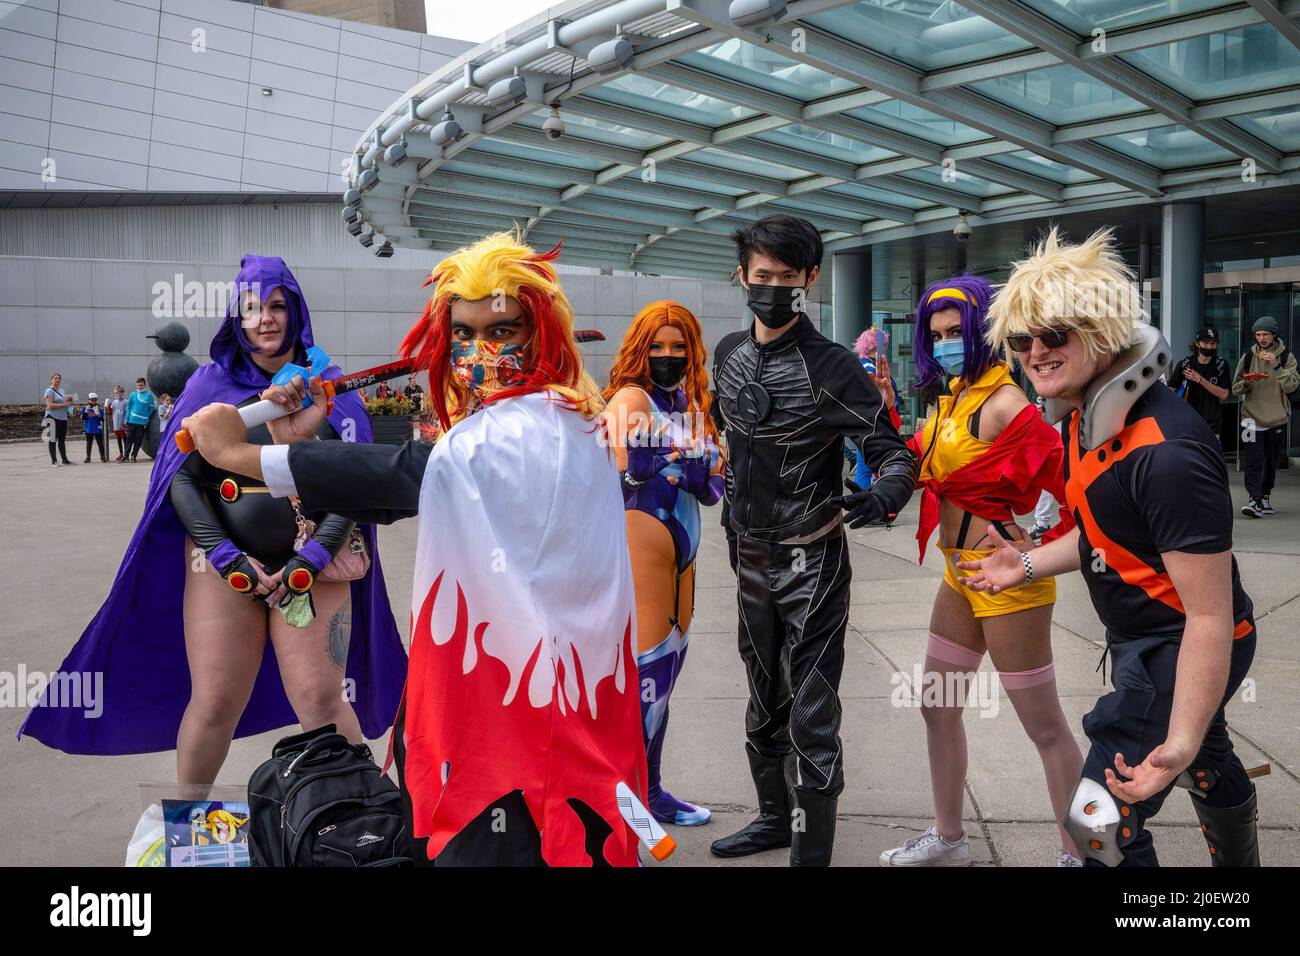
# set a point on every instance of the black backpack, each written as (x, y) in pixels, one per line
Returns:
(321, 801)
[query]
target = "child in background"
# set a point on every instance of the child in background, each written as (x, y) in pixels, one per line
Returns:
(118, 407)
(92, 417)
(164, 411)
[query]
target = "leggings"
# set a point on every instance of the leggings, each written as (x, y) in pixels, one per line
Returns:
(60, 439)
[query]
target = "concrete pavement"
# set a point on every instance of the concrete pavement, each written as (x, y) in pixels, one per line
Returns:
(66, 529)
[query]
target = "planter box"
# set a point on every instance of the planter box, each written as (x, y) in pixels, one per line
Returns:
(391, 429)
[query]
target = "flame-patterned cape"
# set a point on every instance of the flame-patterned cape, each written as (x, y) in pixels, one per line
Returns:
(522, 669)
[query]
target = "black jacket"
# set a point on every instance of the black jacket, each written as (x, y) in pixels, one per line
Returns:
(783, 468)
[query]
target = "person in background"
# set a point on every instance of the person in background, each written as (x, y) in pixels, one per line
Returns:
(1202, 380)
(1265, 378)
(139, 409)
(870, 348)
(414, 394)
(92, 416)
(56, 412)
(383, 391)
(164, 411)
(117, 406)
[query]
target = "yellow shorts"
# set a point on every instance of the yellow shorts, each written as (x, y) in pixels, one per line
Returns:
(983, 604)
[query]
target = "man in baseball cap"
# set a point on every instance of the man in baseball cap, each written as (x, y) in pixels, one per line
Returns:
(1202, 379)
(1265, 378)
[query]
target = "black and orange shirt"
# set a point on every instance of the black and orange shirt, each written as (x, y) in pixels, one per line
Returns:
(1159, 485)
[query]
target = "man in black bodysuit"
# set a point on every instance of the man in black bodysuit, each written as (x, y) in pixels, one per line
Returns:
(788, 397)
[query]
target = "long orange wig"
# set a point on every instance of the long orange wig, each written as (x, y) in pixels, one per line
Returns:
(501, 265)
(632, 364)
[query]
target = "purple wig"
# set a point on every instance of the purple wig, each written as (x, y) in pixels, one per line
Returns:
(261, 275)
(973, 304)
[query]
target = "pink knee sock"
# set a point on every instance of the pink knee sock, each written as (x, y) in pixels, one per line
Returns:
(1033, 694)
(947, 662)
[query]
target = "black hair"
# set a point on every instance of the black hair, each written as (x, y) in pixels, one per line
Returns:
(787, 239)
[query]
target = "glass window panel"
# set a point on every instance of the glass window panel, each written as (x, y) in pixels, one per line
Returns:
(745, 164)
(665, 174)
(612, 134)
(1084, 16)
(653, 96)
(961, 182)
(1280, 127)
(1223, 64)
(876, 194)
(825, 144)
(922, 33)
(546, 157)
(464, 164)
(1042, 166)
(1058, 94)
(766, 69)
(1168, 147)
(906, 118)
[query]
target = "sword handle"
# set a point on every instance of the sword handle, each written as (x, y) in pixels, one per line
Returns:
(259, 413)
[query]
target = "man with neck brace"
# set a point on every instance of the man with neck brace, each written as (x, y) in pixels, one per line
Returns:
(789, 397)
(1148, 490)
(519, 738)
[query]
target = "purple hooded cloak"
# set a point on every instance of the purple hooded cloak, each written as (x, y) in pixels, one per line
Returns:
(137, 639)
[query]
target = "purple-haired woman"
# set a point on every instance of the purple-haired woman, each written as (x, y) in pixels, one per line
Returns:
(985, 455)
(200, 640)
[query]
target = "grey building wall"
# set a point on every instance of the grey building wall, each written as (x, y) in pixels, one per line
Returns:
(167, 95)
(88, 318)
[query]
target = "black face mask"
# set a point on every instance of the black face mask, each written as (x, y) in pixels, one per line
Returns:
(774, 304)
(667, 370)
(1208, 353)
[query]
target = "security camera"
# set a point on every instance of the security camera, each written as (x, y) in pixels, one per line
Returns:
(351, 213)
(356, 226)
(369, 180)
(961, 231)
(368, 238)
(385, 250)
(554, 126)
(447, 131)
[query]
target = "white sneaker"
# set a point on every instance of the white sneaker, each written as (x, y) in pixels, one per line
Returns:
(1067, 859)
(929, 849)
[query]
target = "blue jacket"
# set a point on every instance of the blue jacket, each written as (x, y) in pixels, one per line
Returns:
(139, 407)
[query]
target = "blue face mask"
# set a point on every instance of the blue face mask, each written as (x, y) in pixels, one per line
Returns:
(950, 354)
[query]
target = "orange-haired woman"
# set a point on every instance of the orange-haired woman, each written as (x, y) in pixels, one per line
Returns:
(666, 444)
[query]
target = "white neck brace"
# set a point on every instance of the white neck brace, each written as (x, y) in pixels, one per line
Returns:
(1111, 395)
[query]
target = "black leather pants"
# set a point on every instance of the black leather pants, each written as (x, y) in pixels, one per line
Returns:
(794, 607)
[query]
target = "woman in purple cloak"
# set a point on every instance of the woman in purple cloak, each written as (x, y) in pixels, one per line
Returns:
(200, 640)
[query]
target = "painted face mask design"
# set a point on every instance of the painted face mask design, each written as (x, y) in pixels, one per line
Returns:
(486, 367)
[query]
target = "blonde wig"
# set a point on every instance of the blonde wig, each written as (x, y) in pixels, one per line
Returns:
(1087, 287)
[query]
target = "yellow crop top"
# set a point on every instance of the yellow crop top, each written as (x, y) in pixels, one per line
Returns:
(956, 446)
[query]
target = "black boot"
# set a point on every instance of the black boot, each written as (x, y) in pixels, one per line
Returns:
(774, 779)
(1230, 832)
(814, 829)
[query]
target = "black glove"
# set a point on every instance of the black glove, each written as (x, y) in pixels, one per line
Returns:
(299, 574)
(863, 507)
(241, 575)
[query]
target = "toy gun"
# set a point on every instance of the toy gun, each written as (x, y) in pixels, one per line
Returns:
(259, 413)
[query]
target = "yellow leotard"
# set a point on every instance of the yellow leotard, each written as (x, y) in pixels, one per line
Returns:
(947, 444)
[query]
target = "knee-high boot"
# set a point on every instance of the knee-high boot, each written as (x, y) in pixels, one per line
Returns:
(657, 670)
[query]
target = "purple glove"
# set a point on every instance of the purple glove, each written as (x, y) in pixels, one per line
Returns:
(644, 460)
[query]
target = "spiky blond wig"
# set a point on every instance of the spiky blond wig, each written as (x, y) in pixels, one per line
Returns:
(501, 265)
(1086, 287)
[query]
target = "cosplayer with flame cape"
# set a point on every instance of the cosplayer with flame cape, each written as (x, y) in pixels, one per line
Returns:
(192, 655)
(519, 739)
(1148, 491)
